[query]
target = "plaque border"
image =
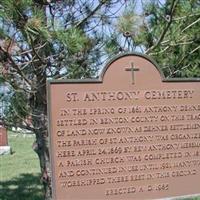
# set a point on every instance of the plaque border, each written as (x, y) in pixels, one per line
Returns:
(96, 81)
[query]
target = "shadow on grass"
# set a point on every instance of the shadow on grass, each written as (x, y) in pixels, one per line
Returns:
(24, 187)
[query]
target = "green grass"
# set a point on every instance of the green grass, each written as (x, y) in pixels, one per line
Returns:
(20, 171)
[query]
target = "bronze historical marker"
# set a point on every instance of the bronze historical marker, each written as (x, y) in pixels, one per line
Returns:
(131, 134)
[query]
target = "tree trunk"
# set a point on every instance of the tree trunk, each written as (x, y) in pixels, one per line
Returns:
(41, 145)
(41, 148)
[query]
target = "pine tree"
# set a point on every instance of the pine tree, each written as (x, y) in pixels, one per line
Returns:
(48, 39)
(168, 31)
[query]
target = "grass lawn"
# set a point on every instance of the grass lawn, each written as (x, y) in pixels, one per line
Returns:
(19, 172)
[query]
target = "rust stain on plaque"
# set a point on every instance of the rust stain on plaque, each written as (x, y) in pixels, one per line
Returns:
(132, 134)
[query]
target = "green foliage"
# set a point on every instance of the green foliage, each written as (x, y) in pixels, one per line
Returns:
(74, 40)
(2, 34)
(129, 22)
(168, 32)
(76, 71)
(182, 42)
(112, 45)
(17, 110)
(14, 10)
(36, 27)
(41, 40)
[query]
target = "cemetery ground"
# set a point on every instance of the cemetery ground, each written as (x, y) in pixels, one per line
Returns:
(19, 172)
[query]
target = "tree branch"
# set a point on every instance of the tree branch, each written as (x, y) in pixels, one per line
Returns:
(183, 58)
(173, 5)
(14, 65)
(191, 25)
(83, 21)
(35, 52)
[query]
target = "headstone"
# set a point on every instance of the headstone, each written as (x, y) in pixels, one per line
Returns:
(4, 148)
(131, 134)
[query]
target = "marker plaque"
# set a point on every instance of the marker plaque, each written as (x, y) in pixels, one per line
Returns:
(131, 134)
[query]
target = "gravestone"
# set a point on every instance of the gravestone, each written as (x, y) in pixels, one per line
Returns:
(131, 134)
(4, 148)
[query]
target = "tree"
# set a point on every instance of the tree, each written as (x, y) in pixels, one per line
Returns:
(167, 30)
(48, 39)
